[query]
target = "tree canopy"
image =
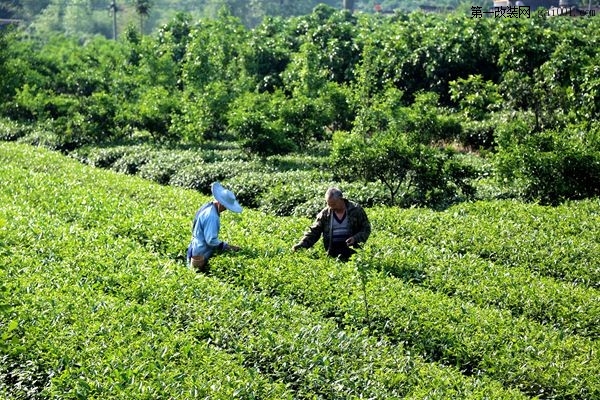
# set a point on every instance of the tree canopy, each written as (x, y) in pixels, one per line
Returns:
(523, 90)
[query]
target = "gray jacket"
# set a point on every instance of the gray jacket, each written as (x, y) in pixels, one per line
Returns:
(358, 223)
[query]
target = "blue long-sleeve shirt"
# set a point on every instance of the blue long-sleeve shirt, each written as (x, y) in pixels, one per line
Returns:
(205, 231)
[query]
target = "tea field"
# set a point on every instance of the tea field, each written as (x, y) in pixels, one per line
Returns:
(485, 300)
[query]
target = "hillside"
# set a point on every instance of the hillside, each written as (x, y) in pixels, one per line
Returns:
(492, 299)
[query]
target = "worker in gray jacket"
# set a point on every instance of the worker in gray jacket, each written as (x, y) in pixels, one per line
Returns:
(343, 225)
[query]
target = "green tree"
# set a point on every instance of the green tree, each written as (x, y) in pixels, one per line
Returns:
(212, 69)
(253, 119)
(413, 173)
(142, 8)
(214, 51)
(564, 80)
(175, 35)
(475, 96)
(553, 166)
(383, 157)
(304, 74)
(268, 53)
(333, 33)
(7, 89)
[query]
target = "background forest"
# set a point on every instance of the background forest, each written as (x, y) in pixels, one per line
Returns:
(96, 16)
(407, 109)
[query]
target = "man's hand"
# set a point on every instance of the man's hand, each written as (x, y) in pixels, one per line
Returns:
(351, 241)
(229, 247)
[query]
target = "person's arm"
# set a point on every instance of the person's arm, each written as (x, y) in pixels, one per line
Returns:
(212, 225)
(364, 227)
(312, 235)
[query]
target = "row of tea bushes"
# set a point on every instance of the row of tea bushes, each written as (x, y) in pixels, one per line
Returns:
(79, 301)
(481, 341)
(558, 242)
(572, 308)
(98, 310)
(478, 337)
(298, 193)
(282, 185)
(192, 169)
(285, 185)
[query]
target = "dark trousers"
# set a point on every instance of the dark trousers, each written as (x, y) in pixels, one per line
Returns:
(340, 250)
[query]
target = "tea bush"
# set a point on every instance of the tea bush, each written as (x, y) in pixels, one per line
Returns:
(100, 157)
(11, 130)
(200, 176)
(460, 303)
(126, 319)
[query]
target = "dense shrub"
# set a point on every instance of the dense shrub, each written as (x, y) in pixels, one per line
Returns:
(101, 157)
(261, 188)
(412, 172)
(12, 130)
(552, 166)
(440, 178)
(426, 123)
(77, 120)
(303, 119)
(155, 110)
(131, 162)
(253, 120)
(203, 115)
(200, 176)
(99, 124)
(478, 134)
(259, 136)
(476, 98)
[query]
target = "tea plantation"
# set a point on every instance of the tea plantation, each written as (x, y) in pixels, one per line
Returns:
(484, 300)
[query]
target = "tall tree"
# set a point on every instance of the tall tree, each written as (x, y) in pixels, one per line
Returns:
(142, 8)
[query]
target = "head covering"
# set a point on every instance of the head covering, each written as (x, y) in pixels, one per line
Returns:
(225, 197)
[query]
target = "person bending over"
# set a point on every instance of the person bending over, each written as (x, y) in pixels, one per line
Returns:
(206, 225)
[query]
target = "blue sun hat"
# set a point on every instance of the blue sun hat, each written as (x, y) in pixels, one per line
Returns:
(225, 197)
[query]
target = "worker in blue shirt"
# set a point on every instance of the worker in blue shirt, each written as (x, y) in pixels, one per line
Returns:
(206, 226)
